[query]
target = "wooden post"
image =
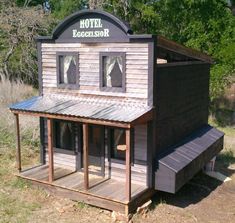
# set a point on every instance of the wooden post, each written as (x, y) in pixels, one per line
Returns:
(18, 149)
(128, 165)
(85, 156)
(50, 150)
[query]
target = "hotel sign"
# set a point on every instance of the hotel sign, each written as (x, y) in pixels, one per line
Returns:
(90, 28)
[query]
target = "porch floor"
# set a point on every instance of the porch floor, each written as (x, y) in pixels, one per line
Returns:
(98, 185)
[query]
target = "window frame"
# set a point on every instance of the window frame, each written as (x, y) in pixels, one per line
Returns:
(112, 89)
(62, 150)
(63, 85)
(110, 131)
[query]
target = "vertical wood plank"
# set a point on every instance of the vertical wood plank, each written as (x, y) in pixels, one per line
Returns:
(150, 157)
(50, 150)
(102, 150)
(85, 156)
(128, 165)
(18, 148)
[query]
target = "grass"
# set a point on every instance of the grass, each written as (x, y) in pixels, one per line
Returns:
(227, 157)
(228, 130)
(14, 210)
(14, 205)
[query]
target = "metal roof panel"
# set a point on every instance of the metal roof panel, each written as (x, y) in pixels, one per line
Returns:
(93, 109)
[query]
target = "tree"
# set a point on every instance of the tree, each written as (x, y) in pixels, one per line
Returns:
(18, 27)
(205, 25)
(61, 8)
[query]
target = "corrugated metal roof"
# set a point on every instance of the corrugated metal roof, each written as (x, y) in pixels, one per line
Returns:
(81, 108)
(181, 155)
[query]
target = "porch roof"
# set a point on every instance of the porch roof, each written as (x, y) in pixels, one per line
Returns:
(82, 108)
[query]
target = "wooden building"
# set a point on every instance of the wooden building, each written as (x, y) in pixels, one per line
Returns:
(121, 115)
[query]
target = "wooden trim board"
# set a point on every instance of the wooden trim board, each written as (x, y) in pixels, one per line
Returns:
(140, 120)
(75, 119)
(18, 147)
(50, 150)
(175, 47)
(85, 156)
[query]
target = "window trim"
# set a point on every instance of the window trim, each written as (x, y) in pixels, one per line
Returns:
(61, 150)
(101, 70)
(67, 86)
(109, 144)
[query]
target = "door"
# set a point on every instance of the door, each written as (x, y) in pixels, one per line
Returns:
(96, 151)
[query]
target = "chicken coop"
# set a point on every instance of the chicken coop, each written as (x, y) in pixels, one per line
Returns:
(121, 115)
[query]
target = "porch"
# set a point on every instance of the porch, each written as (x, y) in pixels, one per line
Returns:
(84, 184)
(73, 180)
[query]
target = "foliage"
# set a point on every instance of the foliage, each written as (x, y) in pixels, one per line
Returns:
(17, 46)
(61, 8)
(205, 25)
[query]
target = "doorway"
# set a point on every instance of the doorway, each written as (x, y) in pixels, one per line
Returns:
(96, 150)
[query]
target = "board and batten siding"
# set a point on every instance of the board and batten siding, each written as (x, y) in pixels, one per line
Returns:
(136, 68)
(138, 171)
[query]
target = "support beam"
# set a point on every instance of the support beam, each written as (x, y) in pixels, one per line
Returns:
(18, 148)
(85, 156)
(50, 150)
(75, 119)
(128, 165)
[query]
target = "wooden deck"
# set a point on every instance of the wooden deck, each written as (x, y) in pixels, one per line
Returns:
(101, 187)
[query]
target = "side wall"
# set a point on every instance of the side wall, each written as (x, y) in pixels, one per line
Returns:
(182, 97)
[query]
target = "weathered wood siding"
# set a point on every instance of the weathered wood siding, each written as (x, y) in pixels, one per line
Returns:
(182, 91)
(118, 172)
(136, 68)
(140, 143)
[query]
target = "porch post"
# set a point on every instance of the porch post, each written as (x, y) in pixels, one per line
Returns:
(85, 156)
(50, 150)
(128, 165)
(18, 149)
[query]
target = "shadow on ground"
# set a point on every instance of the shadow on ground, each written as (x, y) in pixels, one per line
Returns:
(198, 188)
(191, 193)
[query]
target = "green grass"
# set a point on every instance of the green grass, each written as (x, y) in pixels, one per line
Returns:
(227, 157)
(228, 130)
(15, 205)
(81, 205)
